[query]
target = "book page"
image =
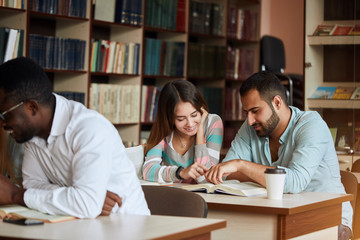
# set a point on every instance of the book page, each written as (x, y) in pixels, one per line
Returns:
(13, 208)
(207, 187)
(148, 183)
(18, 212)
(34, 214)
(241, 188)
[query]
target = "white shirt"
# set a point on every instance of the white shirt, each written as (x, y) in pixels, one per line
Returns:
(82, 158)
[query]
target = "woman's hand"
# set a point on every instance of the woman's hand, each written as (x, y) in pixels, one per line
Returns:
(200, 133)
(221, 170)
(193, 171)
(204, 115)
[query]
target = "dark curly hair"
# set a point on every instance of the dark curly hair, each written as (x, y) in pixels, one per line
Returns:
(22, 79)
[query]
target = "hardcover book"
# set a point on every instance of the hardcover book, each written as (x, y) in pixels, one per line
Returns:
(232, 187)
(356, 30)
(343, 93)
(19, 212)
(356, 94)
(323, 30)
(341, 29)
(324, 92)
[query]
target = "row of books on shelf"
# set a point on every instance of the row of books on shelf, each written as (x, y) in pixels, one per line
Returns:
(74, 8)
(233, 106)
(240, 63)
(242, 24)
(150, 97)
(57, 53)
(166, 14)
(336, 29)
(115, 57)
(12, 3)
(331, 92)
(206, 17)
(118, 103)
(149, 102)
(164, 57)
(75, 96)
(119, 11)
(206, 61)
(11, 43)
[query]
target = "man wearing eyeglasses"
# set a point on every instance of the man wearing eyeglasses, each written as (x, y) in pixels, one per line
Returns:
(74, 160)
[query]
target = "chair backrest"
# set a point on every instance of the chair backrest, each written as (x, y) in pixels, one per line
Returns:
(272, 58)
(172, 201)
(136, 155)
(350, 182)
(356, 166)
(272, 54)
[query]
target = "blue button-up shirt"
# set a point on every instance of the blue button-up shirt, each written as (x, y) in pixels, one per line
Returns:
(307, 153)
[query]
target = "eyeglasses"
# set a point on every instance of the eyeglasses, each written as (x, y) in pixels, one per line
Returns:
(2, 115)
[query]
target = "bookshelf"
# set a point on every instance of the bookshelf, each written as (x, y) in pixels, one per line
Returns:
(242, 60)
(332, 61)
(151, 42)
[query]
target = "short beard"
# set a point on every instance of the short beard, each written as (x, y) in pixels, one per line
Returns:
(270, 124)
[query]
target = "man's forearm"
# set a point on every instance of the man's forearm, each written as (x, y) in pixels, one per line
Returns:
(249, 171)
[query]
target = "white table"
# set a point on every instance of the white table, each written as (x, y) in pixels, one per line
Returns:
(125, 227)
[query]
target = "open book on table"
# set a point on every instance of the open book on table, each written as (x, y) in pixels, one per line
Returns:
(233, 187)
(19, 212)
(148, 183)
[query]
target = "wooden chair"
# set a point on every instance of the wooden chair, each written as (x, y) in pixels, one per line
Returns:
(350, 182)
(173, 201)
(356, 166)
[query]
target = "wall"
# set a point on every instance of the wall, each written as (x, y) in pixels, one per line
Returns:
(285, 19)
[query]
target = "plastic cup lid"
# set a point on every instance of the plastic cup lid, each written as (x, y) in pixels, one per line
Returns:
(275, 170)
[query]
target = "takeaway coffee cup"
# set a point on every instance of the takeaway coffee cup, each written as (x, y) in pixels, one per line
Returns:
(275, 178)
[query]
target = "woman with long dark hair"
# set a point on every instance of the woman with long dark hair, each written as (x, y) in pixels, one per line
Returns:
(185, 140)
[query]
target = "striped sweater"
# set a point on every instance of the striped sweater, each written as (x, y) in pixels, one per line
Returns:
(162, 161)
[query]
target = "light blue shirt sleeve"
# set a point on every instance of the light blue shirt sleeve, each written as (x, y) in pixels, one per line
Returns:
(307, 154)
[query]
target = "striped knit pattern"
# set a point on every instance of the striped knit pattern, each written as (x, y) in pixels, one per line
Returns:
(162, 161)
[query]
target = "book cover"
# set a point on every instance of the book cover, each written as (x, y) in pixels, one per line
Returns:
(232, 187)
(323, 30)
(356, 94)
(343, 92)
(18, 212)
(105, 10)
(324, 92)
(341, 29)
(181, 16)
(10, 45)
(356, 30)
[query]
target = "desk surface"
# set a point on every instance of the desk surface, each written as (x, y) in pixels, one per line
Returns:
(290, 204)
(129, 227)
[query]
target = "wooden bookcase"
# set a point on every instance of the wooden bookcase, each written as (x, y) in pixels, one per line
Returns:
(214, 38)
(334, 61)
